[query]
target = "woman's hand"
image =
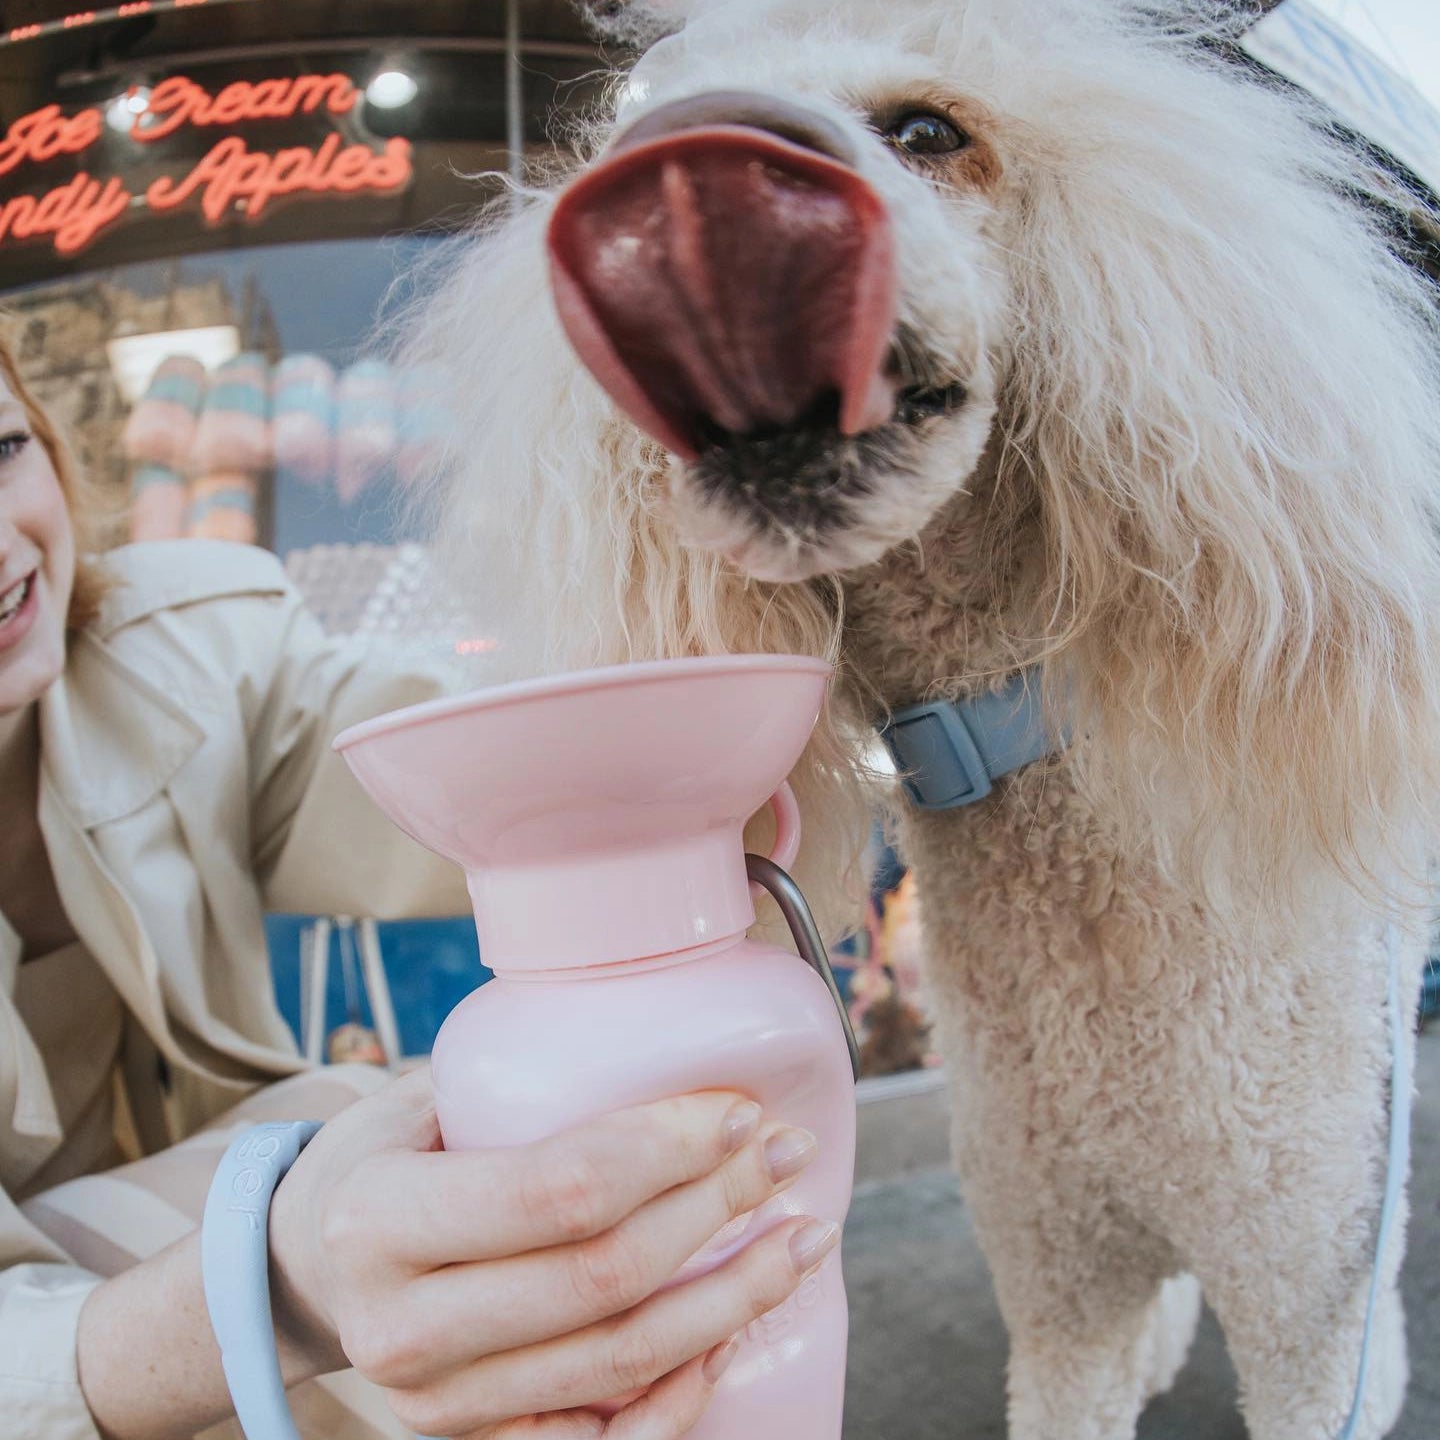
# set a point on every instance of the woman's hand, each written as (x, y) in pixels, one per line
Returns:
(499, 1293)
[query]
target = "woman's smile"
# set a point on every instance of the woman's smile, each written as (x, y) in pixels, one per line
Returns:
(37, 561)
(18, 607)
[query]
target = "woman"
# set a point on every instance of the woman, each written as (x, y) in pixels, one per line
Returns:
(165, 777)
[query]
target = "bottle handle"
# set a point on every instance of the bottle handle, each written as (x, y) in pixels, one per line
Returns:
(786, 810)
(767, 875)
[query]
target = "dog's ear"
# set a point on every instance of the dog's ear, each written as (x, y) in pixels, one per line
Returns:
(636, 23)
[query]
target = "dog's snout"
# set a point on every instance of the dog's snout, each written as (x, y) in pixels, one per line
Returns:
(752, 108)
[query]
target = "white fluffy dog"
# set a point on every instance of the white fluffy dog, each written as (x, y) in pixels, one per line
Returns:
(1153, 408)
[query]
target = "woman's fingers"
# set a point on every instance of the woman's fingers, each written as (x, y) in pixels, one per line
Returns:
(629, 1352)
(668, 1410)
(428, 1257)
(671, 1407)
(572, 1425)
(454, 1316)
(450, 1206)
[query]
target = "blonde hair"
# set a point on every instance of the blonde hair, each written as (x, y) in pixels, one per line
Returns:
(92, 513)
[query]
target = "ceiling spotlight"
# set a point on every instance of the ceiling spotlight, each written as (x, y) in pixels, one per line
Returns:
(123, 111)
(391, 89)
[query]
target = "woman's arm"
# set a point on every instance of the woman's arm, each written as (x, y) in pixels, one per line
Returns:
(480, 1288)
(148, 1361)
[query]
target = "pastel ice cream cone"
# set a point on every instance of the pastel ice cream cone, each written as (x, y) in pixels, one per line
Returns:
(302, 396)
(161, 427)
(234, 429)
(222, 507)
(159, 500)
(365, 427)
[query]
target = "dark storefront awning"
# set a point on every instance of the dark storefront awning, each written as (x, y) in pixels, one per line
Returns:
(251, 123)
(234, 153)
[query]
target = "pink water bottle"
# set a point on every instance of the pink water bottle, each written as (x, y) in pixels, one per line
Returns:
(598, 817)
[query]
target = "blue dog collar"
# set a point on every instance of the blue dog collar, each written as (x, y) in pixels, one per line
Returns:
(950, 752)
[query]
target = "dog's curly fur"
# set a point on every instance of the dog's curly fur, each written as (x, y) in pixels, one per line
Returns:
(1192, 479)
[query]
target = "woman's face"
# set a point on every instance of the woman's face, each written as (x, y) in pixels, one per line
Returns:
(37, 561)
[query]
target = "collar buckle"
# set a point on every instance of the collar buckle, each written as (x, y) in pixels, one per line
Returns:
(939, 762)
(949, 753)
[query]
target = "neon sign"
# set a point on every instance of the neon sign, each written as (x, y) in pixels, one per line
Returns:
(231, 176)
(230, 180)
(177, 102)
(44, 134)
(77, 19)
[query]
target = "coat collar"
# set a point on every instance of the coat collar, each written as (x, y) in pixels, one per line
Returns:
(111, 740)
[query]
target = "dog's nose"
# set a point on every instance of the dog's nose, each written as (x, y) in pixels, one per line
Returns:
(752, 108)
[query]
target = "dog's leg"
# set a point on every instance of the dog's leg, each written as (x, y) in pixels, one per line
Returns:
(1288, 1254)
(1068, 1385)
(1096, 1327)
(1293, 1321)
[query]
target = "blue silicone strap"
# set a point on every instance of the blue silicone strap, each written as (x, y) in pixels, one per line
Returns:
(235, 1265)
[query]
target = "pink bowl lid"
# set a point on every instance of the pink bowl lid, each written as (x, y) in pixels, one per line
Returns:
(598, 814)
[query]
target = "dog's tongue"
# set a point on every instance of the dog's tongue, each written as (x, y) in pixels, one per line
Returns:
(724, 279)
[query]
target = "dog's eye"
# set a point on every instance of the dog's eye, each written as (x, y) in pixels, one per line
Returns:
(923, 133)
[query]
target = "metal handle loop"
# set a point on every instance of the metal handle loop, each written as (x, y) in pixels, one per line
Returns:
(788, 896)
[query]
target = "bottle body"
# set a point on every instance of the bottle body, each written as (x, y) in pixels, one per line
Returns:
(527, 1056)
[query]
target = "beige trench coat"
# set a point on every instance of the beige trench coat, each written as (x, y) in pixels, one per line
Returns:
(188, 786)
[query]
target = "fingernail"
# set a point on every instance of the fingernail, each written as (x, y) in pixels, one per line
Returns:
(740, 1124)
(717, 1362)
(788, 1152)
(809, 1246)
